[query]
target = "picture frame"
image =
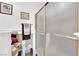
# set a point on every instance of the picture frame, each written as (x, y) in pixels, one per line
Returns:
(24, 15)
(6, 8)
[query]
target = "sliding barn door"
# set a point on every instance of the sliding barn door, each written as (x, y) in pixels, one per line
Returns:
(61, 23)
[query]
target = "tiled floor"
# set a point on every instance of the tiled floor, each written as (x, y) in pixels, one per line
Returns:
(30, 53)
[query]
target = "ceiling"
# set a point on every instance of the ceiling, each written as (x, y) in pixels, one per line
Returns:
(32, 6)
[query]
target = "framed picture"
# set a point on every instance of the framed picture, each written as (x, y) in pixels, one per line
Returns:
(6, 8)
(24, 15)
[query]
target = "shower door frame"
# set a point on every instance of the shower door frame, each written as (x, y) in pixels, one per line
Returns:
(36, 29)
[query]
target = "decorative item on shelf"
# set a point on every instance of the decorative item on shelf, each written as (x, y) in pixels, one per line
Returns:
(24, 15)
(6, 8)
(14, 39)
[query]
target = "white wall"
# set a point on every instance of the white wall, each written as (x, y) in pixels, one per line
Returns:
(12, 22)
(5, 43)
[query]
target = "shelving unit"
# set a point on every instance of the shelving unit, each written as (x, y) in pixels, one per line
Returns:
(26, 36)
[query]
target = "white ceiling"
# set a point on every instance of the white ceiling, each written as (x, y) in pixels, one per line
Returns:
(30, 3)
(32, 6)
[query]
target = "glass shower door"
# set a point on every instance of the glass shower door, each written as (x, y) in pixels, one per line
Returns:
(61, 23)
